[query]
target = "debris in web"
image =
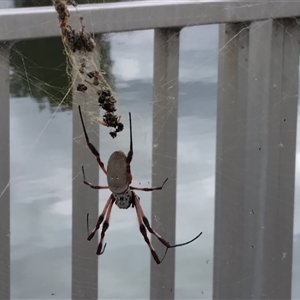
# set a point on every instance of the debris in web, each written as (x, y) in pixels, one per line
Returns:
(80, 49)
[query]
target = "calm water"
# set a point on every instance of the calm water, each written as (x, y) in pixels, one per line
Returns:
(42, 180)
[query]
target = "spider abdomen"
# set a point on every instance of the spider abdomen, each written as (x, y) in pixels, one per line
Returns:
(117, 177)
(123, 200)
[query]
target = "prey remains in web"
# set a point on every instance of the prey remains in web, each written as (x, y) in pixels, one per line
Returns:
(80, 48)
(119, 179)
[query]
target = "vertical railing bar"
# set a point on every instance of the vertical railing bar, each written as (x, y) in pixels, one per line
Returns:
(288, 117)
(232, 95)
(84, 198)
(164, 157)
(4, 172)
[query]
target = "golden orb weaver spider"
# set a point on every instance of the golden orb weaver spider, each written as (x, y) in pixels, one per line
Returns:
(119, 178)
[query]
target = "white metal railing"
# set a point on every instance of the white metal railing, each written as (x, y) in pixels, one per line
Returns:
(253, 172)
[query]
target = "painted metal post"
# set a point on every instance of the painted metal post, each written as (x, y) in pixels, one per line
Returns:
(232, 100)
(164, 158)
(84, 199)
(255, 170)
(4, 173)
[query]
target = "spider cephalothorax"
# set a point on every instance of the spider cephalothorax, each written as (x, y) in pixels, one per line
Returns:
(119, 178)
(125, 199)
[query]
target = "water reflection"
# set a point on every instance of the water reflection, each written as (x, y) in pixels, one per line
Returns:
(31, 3)
(40, 71)
(41, 182)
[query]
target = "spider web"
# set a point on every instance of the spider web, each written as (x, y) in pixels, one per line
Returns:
(41, 166)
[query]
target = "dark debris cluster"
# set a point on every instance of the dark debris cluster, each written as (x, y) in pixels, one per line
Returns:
(82, 41)
(79, 41)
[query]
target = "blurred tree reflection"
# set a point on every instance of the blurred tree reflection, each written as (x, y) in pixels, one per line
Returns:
(39, 67)
(30, 3)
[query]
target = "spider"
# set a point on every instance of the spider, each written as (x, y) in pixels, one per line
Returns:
(119, 179)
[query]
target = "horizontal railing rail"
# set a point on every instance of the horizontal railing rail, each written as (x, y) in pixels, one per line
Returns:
(258, 74)
(28, 23)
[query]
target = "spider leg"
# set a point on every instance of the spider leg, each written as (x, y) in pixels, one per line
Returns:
(88, 230)
(144, 232)
(147, 224)
(97, 187)
(101, 217)
(104, 228)
(145, 221)
(149, 189)
(90, 145)
(130, 153)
